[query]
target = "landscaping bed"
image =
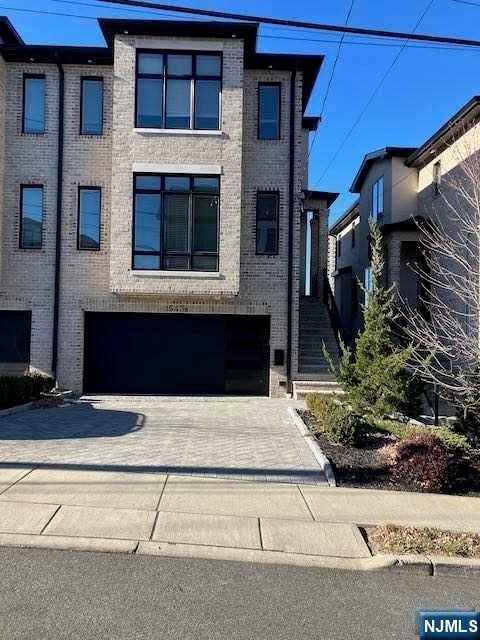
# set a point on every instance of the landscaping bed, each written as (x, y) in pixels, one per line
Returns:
(18, 390)
(364, 465)
(394, 540)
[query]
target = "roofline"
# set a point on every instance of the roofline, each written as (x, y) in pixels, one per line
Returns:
(328, 196)
(8, 32)
(373, 156)
(311, 123)
(350, 214)
(466, 118)
(57, 54)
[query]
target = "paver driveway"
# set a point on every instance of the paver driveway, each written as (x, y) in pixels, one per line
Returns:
(246, 438)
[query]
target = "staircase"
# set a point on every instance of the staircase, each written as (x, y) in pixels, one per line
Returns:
(315, 330)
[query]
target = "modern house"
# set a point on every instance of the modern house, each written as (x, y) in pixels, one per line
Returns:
(399, 188)
(154, 212)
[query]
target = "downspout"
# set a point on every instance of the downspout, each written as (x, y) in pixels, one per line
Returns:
(291, 200)
(58, 230)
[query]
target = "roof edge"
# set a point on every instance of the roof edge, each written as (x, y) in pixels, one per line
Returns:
(372, 157)
(345, 219)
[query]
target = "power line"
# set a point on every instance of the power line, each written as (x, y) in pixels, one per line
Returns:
(295, 23)
(472, 4)
(372, 96)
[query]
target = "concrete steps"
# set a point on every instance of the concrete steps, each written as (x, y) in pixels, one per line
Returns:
(315, 330)
(302, 388)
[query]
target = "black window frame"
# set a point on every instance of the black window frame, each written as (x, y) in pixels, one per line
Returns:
(193, 77)
(378, 215)
(84, 187)
(162, 254)
(34, 76)
(437, 176)
(24, 186)
(276, 193)
(99, 79)
(279, 86)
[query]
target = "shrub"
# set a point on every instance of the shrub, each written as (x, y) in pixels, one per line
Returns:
(16, 390)
(321, 405)
(422, 460)
(468, 425)
(343, 426)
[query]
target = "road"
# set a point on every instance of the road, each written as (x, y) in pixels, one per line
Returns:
(52, 595)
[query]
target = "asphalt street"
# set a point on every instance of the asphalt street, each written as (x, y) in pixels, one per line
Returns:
(51, 595)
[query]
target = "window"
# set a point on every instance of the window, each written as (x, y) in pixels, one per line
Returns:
(437, 177)
(367, 283)
(31, 216)
(178, 90)
(89, 208)
(33, 104)
(91, 110)
(267, 222)
(176, 222)
(269, 111)
(377, 199)
(339, 247)
(353, 237)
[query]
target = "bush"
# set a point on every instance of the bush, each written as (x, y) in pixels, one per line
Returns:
(321, 405)
(468, 425)
(15, 390)
(422, 460)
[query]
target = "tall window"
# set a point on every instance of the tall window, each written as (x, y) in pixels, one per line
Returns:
(437, 177)
(377, 199)
(367, 283)
(267, 222)
(176, 222)
(89, 208)
(33, 104)
(91, 111)
(31, 216)
(178, 90)
(269, 111)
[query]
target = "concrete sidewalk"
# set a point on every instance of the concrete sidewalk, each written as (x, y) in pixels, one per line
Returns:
(205, 517)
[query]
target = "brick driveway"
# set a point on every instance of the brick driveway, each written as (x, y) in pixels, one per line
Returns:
(242, 438)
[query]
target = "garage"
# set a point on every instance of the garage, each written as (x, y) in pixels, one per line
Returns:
(15, 329)
(176, 354)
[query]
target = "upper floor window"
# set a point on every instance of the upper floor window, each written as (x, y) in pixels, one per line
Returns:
(91, 109)
(89, 208)
(378, 198)
(178, 90)
(267, 222)
(367, 283)
(269, 110)
(437, 176)
(33, 120)
(176, 222)
(31, 216)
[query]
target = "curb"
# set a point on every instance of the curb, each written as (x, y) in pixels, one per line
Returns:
(321, 458)
(18, 409)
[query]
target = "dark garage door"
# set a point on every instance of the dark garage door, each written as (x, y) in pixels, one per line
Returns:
(15, 327)
(176, 354)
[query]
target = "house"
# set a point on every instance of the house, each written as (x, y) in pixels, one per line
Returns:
(154, 211)
(399, 188)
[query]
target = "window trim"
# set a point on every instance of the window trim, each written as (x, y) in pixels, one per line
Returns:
(437, 176)
(276, 193)
(161, 254)
(84, 187)
(97, 79)
(379, 214)
(20, 234)
(34, 76)
(193, 78)
(270, 84)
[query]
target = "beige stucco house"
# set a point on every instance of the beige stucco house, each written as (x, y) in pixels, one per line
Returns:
(153, 218)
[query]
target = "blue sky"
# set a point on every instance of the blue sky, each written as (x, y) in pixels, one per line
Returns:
(424, 89)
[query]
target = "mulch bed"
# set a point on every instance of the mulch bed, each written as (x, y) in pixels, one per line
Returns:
(363, 467)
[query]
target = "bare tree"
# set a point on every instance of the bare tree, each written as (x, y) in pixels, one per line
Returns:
(444, 328)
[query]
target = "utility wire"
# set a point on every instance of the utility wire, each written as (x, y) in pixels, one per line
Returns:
(294, 23)
(472, 4)
(372, 97)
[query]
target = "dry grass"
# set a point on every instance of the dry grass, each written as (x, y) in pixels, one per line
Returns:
(391, 539)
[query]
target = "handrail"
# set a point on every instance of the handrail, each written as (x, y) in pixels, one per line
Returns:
(330, 303)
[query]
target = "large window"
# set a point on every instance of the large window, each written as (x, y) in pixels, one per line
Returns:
(178, 90)
(91, 110)
(89, 208)
(267, 222)
(31, 216)
(33, 120)
(377, 199)
(269, 111)
(176, 222)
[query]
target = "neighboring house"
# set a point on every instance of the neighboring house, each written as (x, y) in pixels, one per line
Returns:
(399, 188)
(154, 210)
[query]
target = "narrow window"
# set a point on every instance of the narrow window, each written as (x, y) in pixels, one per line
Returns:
(367, 283)
(33, 104)
(267, 222)
(339, 247)
(437, 177)
(353, 238)
(89, 212)
(31, 216)
(208, 92)
(91, 113)
(269, 111)
(377, 199)
(150, 76)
